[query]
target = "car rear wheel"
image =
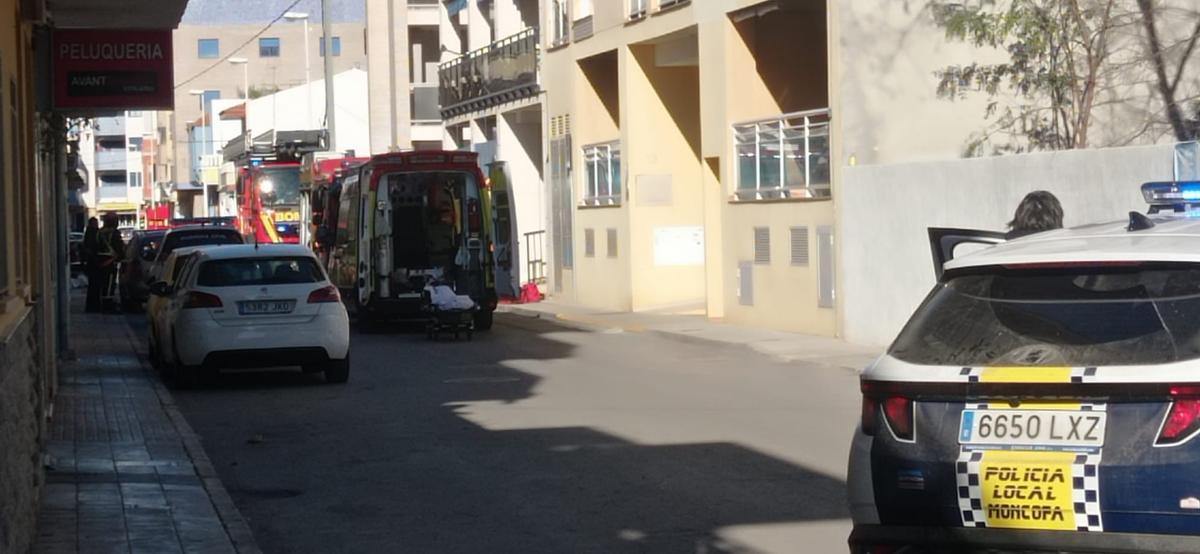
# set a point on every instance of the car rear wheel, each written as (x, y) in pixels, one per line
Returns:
(338, 371)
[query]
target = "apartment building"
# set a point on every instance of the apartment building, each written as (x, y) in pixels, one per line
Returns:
(689, 158)
(119, 178)
(221, 52)
(491, 103)
(403, 51)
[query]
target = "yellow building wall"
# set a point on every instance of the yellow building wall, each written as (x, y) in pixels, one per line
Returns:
(661, 138)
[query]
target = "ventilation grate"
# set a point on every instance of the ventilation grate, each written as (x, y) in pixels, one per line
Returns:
(800, 246)
(589, 243)
(612, 243)
(762, 245)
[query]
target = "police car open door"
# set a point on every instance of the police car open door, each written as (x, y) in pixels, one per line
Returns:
(944, 243)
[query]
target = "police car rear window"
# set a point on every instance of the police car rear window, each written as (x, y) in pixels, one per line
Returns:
(199, 238)
(1063, 316)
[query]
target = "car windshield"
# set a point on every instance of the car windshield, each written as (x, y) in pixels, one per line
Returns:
(1086, 316)
(279, 186)
(198, 238)
(259, 271)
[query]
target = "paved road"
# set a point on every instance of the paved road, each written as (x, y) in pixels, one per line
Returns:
(536, 438)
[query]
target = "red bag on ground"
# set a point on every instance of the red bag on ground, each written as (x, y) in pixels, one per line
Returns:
(530, 293)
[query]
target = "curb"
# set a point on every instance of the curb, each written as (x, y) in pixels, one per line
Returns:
(235, 525)
(561, 320)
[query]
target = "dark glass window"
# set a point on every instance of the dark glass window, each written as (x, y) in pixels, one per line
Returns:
(1085, 316)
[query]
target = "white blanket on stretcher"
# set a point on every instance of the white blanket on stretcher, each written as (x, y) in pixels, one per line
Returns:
(444, 298)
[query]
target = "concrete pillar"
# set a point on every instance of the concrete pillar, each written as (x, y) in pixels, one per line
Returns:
(506, 18)
(451, 46)
(387, 75)
(479, 30)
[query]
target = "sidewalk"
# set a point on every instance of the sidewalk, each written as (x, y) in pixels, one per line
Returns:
(790, 347)
(125, 472)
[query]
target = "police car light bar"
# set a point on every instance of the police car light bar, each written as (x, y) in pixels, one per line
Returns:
(1176, 196)
(1171, 192)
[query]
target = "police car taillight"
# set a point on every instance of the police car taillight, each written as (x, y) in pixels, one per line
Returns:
(1182, 420)
(897, 410)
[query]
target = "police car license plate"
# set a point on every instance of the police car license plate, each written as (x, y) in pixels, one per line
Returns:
(1032, 428)
(266, 307)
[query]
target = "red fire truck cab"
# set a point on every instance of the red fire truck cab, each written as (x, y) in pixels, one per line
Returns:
(268, 183)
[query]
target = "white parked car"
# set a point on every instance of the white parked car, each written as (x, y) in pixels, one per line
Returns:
(156, 304)
(243, 306)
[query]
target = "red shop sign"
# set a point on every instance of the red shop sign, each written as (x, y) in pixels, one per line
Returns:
(113, 69)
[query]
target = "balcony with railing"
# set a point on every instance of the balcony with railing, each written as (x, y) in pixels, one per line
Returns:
(111, 159)
(783, 157)
(504, 71)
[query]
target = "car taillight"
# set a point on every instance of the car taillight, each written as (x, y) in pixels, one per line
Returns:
(324, 294)
(899, 413)
(202, 300)
(1183, 417)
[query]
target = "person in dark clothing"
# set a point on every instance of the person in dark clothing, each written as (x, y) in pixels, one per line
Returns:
(1038, 211)
(88, 252)
(110, 249)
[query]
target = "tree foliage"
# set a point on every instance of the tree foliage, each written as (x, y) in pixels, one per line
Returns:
(1054, 63)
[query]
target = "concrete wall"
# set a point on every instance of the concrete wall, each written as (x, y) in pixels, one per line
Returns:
(21, 427)
(886, 265)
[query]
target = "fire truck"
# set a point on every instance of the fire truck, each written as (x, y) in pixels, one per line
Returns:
(267, 186)
(321, 179)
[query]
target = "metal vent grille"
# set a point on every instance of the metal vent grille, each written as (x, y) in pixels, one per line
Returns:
(612, 243)
(799, 245)
(762, 245)
(589, 243)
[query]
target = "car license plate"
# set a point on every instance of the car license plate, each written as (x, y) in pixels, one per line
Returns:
(1047, 428)
(266, 307)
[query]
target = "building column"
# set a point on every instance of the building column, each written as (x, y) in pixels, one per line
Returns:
(479, 29)
(506, 18)
(387, 75)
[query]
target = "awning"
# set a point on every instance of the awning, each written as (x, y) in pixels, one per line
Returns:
(118, 207)
(118, 14)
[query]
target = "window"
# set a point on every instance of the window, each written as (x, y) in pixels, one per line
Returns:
(602, 169)
(259, 271)
(560, 23)
(1073, 316)
(133, 113)
(135, 144)
(135, 179)
(589, 243)
(336, 45)
(268, 47)
(637, 8)
(783, 157)
(208, 48)
(612, 243)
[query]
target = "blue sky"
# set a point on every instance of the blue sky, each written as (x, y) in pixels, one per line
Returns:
(210, 12)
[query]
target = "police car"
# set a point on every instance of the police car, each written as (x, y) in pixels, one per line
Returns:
(1045, 397)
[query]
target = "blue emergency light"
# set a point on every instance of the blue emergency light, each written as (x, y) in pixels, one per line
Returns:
(1175, 195)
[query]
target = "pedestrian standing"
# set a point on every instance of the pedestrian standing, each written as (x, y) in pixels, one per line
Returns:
(88, 252)
(110, 251)
(1038, 211)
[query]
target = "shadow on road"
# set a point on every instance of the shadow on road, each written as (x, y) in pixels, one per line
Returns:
(387, 464)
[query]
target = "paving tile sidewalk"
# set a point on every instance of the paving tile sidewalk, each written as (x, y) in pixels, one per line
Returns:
(791, 347)
(125, 472)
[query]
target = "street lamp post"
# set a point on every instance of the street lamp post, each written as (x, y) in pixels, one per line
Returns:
(245, 63)
(295, 16)
(203, 115)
